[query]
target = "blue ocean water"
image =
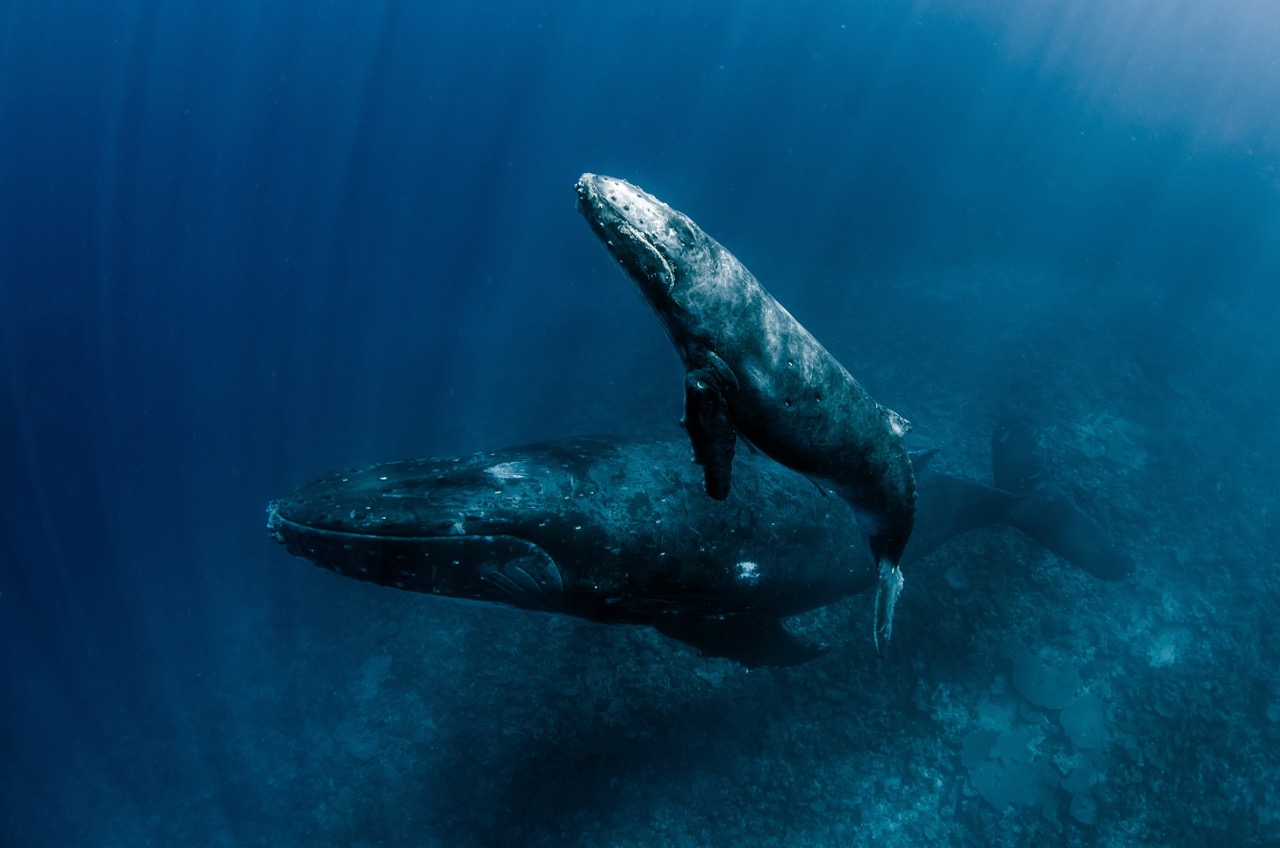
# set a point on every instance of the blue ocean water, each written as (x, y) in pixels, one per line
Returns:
(242, 244)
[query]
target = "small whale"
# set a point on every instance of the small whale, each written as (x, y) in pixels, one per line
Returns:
(753, 370)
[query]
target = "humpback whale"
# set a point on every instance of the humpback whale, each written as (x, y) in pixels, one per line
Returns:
(752, 369)
(617, 531)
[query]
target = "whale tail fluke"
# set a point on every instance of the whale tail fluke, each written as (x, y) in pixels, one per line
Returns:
(1043, 511)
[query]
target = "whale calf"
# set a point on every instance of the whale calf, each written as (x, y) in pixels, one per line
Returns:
(752, 369)
(618, 531)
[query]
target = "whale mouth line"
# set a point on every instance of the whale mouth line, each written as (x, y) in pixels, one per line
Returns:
(521, 572)
(356, 536)
(276, 522)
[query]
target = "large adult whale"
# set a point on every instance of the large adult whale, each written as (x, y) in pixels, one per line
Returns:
(751, 368)
(618, 531)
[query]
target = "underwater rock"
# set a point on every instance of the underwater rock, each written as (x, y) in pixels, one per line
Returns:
(1167, 648)
(1004, 771)
(372, 675)
(1012, 748)
(1020, 784)
(1084, 722)
(1107, 436)
(1041, 684)
(360, 742)
(956, 578)
(977, 748)
(1086, 771)
(1030, 713)
(1084, 809)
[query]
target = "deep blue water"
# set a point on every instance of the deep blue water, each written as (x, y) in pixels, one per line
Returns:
(242, 244)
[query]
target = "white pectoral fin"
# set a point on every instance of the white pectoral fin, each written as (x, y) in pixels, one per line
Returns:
(888, 588)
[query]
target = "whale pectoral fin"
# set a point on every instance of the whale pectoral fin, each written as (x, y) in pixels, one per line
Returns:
(888, 588)
(751, 639)
(710, 429)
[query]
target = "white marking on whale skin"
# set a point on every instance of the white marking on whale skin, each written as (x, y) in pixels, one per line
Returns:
(748, 572)
(898, 424)
(508, 471)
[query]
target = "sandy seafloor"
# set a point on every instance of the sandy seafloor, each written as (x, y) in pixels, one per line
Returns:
(404, 720)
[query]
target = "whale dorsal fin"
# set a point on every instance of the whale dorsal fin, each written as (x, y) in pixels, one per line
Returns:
(1017, 461)
(920, 460)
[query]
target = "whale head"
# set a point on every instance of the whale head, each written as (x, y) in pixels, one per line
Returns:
(459, 529)
(659, 248)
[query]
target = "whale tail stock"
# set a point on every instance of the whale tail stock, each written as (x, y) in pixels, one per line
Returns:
(1024, 497)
